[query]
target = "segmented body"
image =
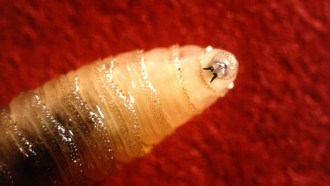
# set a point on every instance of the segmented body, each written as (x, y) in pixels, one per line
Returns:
(80, 127)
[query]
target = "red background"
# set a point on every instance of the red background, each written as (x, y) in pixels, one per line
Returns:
(273, 128)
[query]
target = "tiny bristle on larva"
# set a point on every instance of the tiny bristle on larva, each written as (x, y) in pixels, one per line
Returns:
(80, 127)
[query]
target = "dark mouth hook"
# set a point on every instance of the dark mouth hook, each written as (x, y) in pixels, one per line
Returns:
(215, 75)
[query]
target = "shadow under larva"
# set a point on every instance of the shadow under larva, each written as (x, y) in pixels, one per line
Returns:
(82, 126)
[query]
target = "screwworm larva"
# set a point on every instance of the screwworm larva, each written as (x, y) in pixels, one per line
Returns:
(80, 127)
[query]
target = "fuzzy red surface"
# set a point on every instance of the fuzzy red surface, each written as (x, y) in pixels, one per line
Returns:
(273, 128)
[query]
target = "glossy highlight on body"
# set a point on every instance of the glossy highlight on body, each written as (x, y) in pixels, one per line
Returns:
(81, 127)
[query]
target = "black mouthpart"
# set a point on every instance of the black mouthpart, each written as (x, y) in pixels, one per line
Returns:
(214, 76)
(209, 68)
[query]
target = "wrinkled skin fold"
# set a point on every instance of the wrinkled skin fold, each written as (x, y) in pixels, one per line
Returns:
(78, 128)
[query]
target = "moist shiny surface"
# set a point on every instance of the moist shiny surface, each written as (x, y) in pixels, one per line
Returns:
(80, 127)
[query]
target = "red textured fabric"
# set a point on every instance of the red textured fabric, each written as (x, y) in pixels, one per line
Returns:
(273, 128)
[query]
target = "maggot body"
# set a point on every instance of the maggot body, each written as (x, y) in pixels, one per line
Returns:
(80, 127)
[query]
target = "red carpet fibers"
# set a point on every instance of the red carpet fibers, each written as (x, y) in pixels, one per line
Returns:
(273, 128)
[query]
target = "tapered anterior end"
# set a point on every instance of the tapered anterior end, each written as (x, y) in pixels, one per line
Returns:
(220, 68)
(215, 73)
(186, 79)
